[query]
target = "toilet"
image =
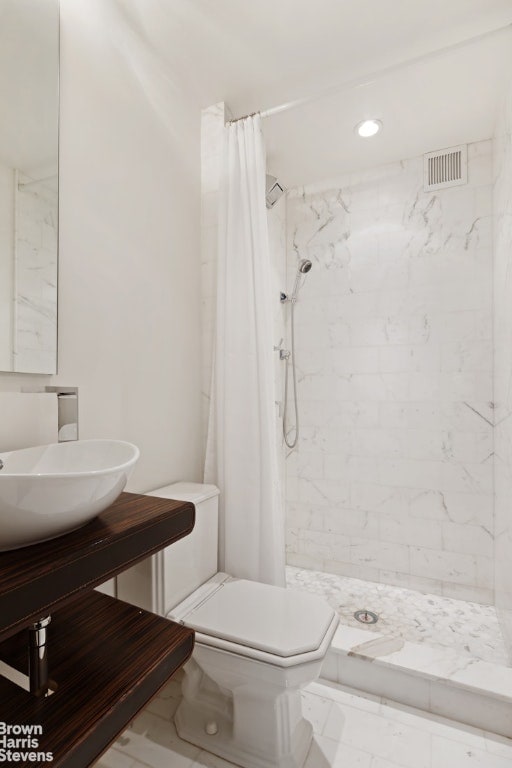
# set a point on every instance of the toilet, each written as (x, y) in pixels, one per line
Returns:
(256, 646)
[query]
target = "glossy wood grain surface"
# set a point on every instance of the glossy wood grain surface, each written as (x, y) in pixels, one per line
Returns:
(42, 578)
(107, 659)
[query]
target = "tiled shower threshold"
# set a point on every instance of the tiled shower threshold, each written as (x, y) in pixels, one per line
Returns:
(437, 654)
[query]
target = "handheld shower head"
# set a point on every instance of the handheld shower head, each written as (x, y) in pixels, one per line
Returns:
(304, 266)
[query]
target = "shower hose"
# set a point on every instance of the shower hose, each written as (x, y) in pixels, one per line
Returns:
(286, 428)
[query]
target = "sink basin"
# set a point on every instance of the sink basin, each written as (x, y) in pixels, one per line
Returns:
(53, 489)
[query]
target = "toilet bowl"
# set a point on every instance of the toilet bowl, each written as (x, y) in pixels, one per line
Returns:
(256, 646)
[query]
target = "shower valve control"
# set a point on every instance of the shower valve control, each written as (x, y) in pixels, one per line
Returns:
(284, 354)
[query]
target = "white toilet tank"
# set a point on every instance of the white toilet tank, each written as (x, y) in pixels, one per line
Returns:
(182, 567)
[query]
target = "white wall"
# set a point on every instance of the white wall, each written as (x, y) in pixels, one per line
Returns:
(6, 264)
(503, 366)
(212, 131)
(392, 481)
(129, 334)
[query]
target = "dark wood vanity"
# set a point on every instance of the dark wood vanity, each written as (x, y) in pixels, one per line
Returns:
(106, 658)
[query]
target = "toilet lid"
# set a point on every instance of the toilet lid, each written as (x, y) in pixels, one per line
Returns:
(272, 619)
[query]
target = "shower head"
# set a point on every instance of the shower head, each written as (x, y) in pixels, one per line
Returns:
(304, 266)
(273, 192)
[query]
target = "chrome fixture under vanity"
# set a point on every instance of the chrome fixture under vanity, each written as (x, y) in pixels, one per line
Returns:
(38, 657)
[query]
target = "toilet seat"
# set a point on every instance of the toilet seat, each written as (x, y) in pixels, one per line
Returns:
(258, 621)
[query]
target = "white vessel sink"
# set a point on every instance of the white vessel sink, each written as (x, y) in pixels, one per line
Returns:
(52, 489)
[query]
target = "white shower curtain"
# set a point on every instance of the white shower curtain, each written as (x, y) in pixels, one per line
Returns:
(242, 450)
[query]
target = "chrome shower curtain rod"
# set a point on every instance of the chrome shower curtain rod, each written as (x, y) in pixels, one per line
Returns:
(362, 82)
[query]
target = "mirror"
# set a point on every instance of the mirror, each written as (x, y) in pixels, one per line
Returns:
(29, 108)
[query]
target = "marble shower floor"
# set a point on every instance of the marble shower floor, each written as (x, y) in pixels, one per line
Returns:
(442, 622)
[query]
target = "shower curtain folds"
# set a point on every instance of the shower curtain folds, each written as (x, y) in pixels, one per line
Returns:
(242, 450)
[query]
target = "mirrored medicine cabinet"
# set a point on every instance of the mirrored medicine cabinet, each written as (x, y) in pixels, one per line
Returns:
(29, 122)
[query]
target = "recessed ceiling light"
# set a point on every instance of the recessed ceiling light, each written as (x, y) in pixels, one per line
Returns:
(368, 128)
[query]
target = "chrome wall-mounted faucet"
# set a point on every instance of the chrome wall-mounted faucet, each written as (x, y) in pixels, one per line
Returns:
(67, 409)
(67, 400)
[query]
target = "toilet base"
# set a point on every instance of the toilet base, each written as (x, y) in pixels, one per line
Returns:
(254, 726)
(191, 726)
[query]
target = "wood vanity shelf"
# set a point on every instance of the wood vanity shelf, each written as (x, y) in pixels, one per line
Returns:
(107, 659)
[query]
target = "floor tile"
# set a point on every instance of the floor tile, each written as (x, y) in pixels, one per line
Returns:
(378, 762)
(316, 710)
(356, 732)
(498, 745)
(115, 759)
(207, 760)
(381, 736)
(454, 754)
(328, 753)
(154, 741)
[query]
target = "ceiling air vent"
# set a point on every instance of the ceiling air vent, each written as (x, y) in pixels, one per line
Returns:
(446, 168)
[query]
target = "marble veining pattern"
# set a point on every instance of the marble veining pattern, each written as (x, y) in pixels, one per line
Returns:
(35, 300)
(393, 478)
(349, 731)
(276, 221)
(439, 622)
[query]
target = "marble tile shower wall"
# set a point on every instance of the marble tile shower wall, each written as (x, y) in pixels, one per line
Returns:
(503, 367)
(276, 220)
(393, 479)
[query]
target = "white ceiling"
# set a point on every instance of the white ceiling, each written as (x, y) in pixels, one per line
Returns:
(447, 100)
(256, 54)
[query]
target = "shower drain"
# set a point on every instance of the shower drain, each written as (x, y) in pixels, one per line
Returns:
(366, 617)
